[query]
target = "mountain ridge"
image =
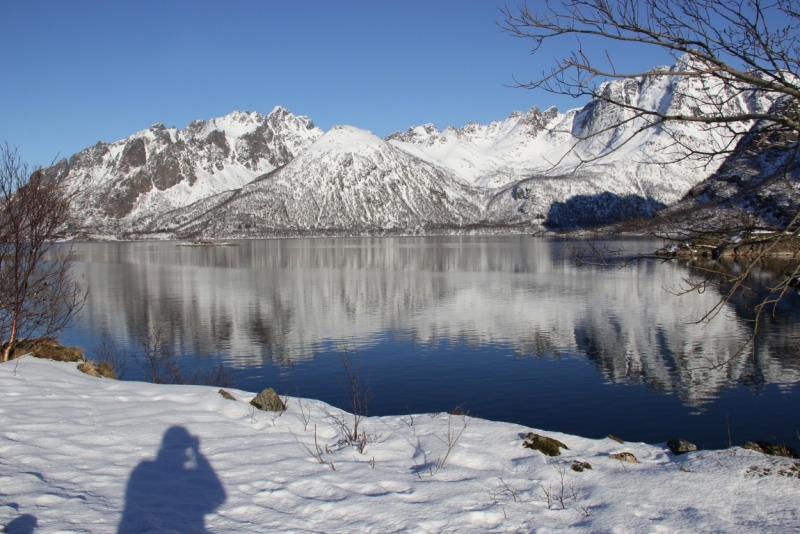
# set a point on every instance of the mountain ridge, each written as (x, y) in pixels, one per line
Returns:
(252, 175)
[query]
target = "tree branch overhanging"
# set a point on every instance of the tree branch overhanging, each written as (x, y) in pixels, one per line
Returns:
(736, 71)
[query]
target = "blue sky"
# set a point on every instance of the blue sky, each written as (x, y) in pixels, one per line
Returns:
(77, 72)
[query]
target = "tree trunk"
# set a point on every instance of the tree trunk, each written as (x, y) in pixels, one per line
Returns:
(11, 339)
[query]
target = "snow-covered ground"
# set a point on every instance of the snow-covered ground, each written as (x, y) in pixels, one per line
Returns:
(85, 454)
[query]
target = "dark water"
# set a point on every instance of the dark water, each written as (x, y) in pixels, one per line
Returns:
(508, 326)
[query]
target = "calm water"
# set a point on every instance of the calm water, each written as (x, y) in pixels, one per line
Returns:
(507, 326)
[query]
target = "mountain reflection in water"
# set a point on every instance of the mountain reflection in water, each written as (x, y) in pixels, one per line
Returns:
(279, 301)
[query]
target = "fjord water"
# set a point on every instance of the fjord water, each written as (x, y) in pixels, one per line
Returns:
(508, 326)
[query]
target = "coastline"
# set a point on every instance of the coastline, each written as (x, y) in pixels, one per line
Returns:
(71, 441)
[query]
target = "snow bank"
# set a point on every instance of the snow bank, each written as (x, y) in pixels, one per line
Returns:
(79, 454)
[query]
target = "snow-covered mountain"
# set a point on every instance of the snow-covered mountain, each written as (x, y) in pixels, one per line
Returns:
(251, 175)
(589, 165)
(161, 169)
(349, 182)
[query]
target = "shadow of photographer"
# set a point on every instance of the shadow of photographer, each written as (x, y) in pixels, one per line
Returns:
(175, 491)
(23, 524)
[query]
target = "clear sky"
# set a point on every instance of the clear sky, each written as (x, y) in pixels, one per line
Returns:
(75, 72)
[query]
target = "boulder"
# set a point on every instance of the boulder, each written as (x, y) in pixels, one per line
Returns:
(615, 438)
(681, 446)
(227, 395)
(269, 401)
(624, 457)
(543, 444)
(579, 466)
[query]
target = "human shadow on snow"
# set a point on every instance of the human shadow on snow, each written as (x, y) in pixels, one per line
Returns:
(23, 524)
(175, 491)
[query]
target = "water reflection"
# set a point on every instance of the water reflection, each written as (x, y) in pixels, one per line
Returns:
(282, 300)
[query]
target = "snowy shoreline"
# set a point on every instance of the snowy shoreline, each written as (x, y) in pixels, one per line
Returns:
(76, 451)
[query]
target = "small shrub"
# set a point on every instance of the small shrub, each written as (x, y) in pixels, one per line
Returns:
(107, 354)
(770, 449)
(103, 369)
(160, 365)
(359, 394)
(218, 376)
(458, 410)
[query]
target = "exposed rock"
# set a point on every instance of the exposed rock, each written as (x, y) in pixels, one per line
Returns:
(624, 457)
(615, 438)
(120, 199)
(579, 466)
(770, 449)
(227, 395)
(269, 401)
(543, 444)
(134, 154)
(217, 138)
(166, 169)
(681, 446)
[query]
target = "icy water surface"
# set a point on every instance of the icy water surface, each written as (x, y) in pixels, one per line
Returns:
(508, 326)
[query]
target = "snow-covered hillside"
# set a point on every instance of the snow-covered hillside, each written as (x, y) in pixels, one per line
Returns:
(254, 175)
(87, 454)
(348, 181)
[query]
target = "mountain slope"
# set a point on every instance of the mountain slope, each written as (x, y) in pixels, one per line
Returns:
(254, 175)
(160, 169)
(349, 181)
(539, 160)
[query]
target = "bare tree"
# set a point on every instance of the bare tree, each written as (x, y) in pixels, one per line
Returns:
(727, 47)
(159, 364)
(726, 52)
(39, 295)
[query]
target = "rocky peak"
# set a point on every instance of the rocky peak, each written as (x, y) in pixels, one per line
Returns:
(534, 121)
(415, 135)
(222, 154)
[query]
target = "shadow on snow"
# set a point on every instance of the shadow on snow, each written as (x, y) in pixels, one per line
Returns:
(175, 491)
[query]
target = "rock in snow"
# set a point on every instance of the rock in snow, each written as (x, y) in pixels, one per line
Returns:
(249, 175)
(681, 446)
(268, 401)
(138, 457)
